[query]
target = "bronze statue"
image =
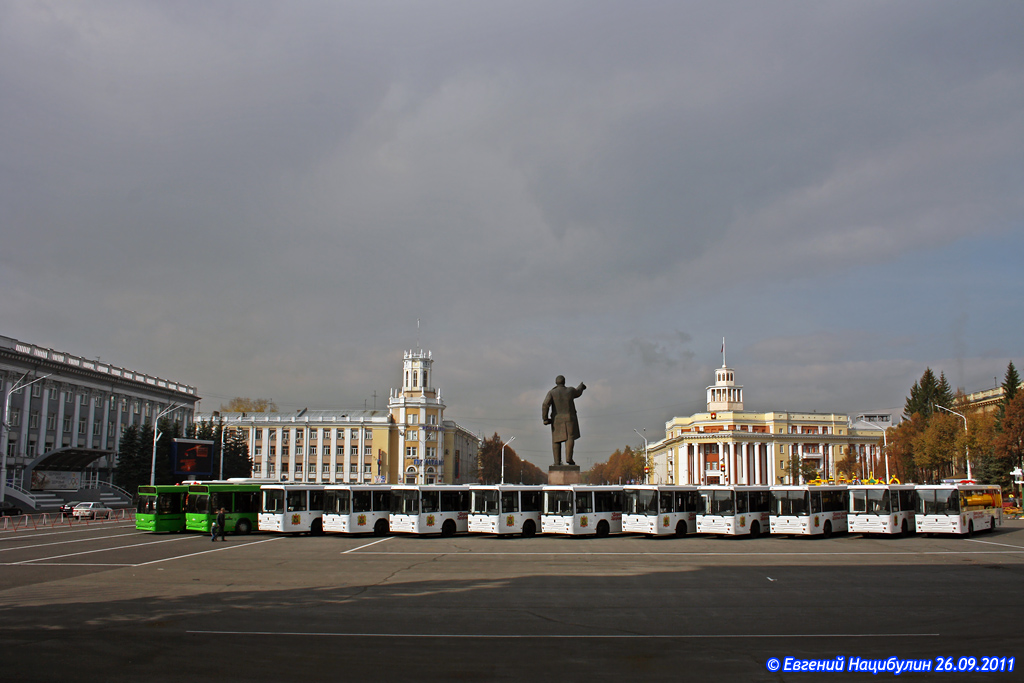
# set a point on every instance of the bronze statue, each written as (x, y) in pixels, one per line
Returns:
(559, 411)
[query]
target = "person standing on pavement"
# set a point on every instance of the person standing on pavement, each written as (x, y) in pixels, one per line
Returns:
(221, 525)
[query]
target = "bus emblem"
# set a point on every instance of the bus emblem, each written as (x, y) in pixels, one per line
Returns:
(361, 520)
(510, 520)
(664, 522)
(816, 522)
(430, 520)
(296, 519)
(743, 520)
(583, 521)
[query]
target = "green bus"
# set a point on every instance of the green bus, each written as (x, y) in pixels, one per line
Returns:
(241, 503)
(161, 508)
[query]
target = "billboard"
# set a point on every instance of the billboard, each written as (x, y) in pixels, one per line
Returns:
(192, 457)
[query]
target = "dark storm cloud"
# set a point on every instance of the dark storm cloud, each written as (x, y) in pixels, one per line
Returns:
(550, 187)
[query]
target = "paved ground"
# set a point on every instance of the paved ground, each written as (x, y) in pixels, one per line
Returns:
(108, 603)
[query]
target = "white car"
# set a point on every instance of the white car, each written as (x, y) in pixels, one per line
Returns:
(91, 511)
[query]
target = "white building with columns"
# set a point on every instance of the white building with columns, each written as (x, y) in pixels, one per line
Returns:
(728, 444)
(409, 442)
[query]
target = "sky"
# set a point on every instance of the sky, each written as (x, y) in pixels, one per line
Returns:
(277, 200)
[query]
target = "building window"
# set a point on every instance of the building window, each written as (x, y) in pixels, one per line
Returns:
(272, 453)
(312, 449)
(257, 450)
(413, 435)
(353, 469)
(367, 434)
(413, 419)
(256, 469)
(327, 451)
(353, 450)
(312, 468)
(368, 450)
(33, 420)
(326, 468)
(51, 422)
(410, 451)
(272, 468)
(15, 417)
(37, 390)
(367, 468)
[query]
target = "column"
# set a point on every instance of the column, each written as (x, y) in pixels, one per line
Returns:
(89, 425)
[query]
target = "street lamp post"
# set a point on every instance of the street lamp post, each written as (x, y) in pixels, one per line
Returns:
(885, 449)
(503, 458)
(967, 448)
(3, 427)
(647, 463)
(156, 437)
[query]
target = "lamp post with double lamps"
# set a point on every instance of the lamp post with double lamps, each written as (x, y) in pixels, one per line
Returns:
(156, 437)
(503, 458)
(885, 449)
(647, 463)
(967, 448)
(3, 427)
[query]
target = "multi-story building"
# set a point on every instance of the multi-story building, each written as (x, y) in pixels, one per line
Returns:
(410, 442)
(65, 415)
(730, 445)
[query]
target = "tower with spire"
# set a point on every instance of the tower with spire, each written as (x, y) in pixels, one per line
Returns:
(418, 410)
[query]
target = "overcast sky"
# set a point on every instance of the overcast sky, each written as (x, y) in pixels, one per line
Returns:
(262, 198)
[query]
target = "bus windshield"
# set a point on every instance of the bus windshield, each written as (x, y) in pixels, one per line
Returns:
(147, 505)
(485, 502)
(405, 502)
(273, 500)
(198, 503)
(720, 503)
(790, 503)
(938, 501)
(870, 501)
(558, 503)
(641, 502)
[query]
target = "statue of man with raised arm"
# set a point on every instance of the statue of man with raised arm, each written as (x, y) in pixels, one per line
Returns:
(559, 411)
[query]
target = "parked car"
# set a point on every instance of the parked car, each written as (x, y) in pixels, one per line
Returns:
(91, 511)
(66, 508)
(9, 509)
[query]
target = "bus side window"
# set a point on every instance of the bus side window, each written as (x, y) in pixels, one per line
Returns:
(430, 501)
(296, 501)
(381, 501)
(316, 500)
(584, 502)
(741, 502)
(666, 502)
(510, 501)
(816, 501)
(531, 501)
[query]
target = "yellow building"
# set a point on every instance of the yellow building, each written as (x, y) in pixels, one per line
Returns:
(410, 442)
(730, 445)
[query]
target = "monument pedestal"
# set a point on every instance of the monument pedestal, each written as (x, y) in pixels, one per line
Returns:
(563, 475)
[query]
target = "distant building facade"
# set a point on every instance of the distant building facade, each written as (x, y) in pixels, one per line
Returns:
(728, 444)
(409, 442)
(63, 431)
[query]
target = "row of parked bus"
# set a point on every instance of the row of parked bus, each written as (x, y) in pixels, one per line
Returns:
(958, 508)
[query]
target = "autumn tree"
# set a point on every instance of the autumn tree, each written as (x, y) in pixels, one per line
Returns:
(517, 470)
(624, 466)
(1009, 442)
(240, 404)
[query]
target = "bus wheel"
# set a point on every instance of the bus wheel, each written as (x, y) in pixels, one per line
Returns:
(904, 530)
(448, 528)
(681, 528)
(316, 528)
(529, 529)
(970, 528)
(827, 530)
(992, 524)
(243, 527)
(755, 529)
(381, 528)
(602, 528)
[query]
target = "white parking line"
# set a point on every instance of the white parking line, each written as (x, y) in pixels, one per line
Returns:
(97, 550)
(1005, 545)
(701, 554)
(352, 550)
(77, 540)
(211, 550)
(563, 636)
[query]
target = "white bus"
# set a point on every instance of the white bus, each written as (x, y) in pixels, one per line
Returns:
(733, 510)
(291, 508)
(958, 508)
(429, 509)
(809, 510)
(882, 508)
(579, 510)
(660, 510)
(504, 509)
(357, 508)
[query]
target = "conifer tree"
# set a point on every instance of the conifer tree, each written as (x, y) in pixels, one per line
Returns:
(1011, 384)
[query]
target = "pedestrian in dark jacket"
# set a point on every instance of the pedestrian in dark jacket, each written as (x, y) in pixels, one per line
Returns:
(222, 527)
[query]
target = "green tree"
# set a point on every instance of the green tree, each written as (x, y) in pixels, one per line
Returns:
(926, 393)
(132, 468)
(1011, 385)
(1009, 442)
